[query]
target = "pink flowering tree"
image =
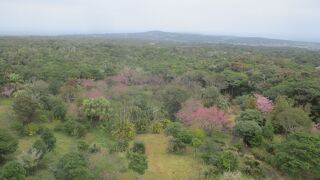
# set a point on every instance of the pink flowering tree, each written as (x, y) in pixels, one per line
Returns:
(195, 114)
(263, 104)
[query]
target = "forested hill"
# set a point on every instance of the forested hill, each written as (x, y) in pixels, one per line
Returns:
(198, 38)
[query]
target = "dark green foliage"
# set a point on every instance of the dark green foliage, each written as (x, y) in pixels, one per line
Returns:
(138, 162)
(302, 91)
(94, 148)
(251, 115)
(179, 131)
(177, 146)
(250, 131)
(72, 166)
(172, 97)
(40, 147)
(8, 144)
(74, 128)
(56, 106)
(26, 109)
(315, 111)
(82, 145)
(48, 138)
(299, 155)
(13, 170)
(268, 130)
(138, 147)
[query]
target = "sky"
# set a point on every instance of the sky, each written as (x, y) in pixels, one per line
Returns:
(282, 19)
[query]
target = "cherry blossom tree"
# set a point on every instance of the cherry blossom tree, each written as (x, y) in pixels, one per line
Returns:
(263, 104)
(195, 114)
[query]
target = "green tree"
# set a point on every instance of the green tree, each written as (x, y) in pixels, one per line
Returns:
(72, 166)
(250, 131)
(13, 170)
(8, 144)
(48, 138)
(26, 109)
(210, 96)
(96, 109)
(299, 155)
(291, 120)
(251, 115)
(172, 97)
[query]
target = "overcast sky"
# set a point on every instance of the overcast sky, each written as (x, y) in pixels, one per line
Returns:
(285, 19)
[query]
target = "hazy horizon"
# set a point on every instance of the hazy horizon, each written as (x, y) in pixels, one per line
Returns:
(286, 19)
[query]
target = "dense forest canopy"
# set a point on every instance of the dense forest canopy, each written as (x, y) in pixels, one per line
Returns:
(86, 107)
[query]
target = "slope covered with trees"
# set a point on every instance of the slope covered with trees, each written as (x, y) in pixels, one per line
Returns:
(97, 108)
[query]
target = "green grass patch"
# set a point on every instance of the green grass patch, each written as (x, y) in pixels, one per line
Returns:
(163, 165)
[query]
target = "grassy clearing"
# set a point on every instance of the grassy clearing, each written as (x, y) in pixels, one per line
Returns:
(163, 165)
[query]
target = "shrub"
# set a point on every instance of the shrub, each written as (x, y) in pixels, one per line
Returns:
(72, 166)
(119, 146)
(157, 127)
(138, 162)
(40, 147)
(74, 128)
(124, 131)
(252, 167)
(299, 155)
(94, 148)
(13, 170)
(82, 145)
(139, 147)
(177, 146)
(8, 144)
(31, 160)
(48, 138)
(227, 161)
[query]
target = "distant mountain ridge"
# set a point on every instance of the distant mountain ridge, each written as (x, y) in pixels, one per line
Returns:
(215, 39)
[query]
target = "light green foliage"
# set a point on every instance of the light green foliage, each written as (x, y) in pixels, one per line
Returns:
(123, 131)
(299, 155)
(227, 161)
(157, 127)
(292, 120)
(13, 170)
(96, 109)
